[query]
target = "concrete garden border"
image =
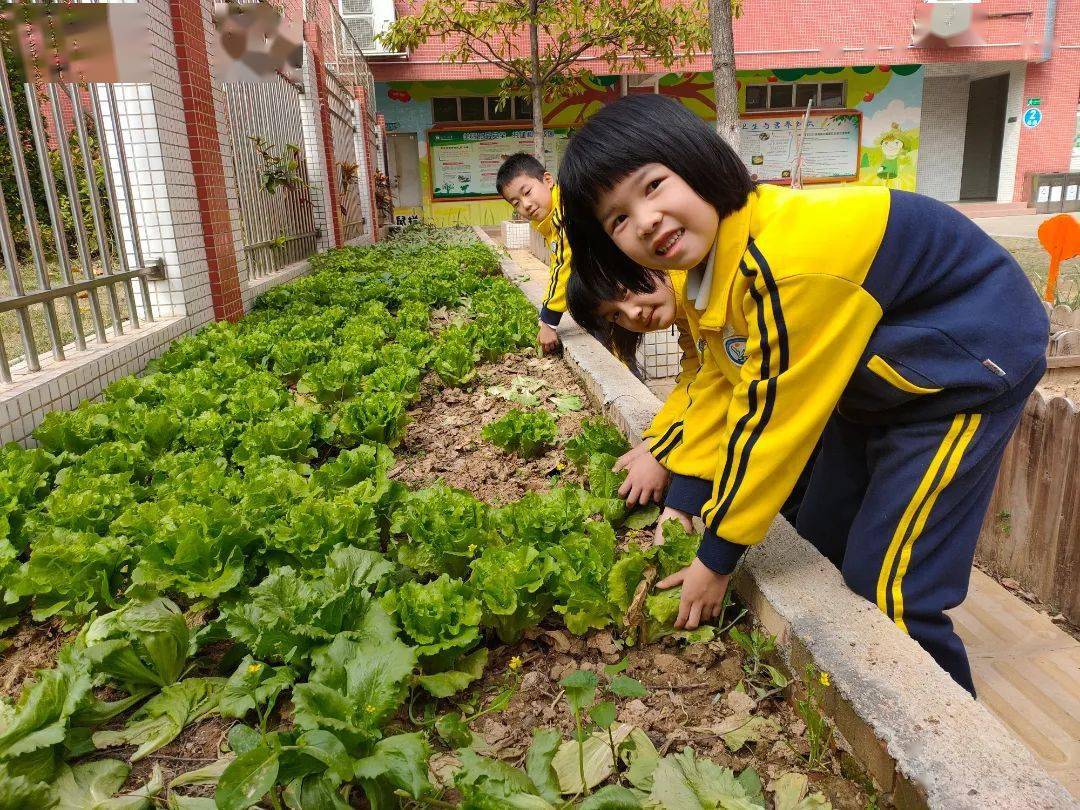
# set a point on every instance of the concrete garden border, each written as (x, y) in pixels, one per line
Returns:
(922, 738)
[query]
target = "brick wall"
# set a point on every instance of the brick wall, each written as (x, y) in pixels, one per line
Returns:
(792, 34)
(1048, 147)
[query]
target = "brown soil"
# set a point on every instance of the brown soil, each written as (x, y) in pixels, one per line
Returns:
(1060, 383)
(33, 646)
(443, 439)
(196, 747)
(691, 697)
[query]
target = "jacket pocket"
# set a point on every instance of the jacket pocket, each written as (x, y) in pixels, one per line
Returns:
(882, 368)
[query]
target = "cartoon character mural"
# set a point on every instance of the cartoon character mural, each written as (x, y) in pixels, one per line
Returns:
(892, 145)
(888, 97)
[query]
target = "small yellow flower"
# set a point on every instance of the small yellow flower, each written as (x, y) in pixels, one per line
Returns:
(472, 548)
(823, 679)
(369, 709)
(254, 667)
(515, 663)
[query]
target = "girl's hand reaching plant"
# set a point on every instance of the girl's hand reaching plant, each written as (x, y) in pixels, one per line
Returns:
(646, 478)
(702, 594)
(670, 512)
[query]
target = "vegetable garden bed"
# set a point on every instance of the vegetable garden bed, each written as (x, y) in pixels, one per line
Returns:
(227, 577)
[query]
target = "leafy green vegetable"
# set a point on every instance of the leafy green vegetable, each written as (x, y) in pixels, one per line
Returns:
(542, 519)
(442, 618)
(289, 434)
(357, 682)
(597, 436)
(70, 573)
(527, 433)
(141, 644)
(333, 381)
(93, 786)
(286, 616)
(521, 390)
(511, 583)
(683, 781)
(32, 729)
(372, 417)
(583, 561)
(350, 467)
(441, 529)
(164, 716)
(252, 686)
(454, 360)
(191, 549)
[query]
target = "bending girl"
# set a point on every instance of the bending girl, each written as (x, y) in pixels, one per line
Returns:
(880, 322)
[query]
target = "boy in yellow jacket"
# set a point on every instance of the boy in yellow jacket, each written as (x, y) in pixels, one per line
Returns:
(530, 189)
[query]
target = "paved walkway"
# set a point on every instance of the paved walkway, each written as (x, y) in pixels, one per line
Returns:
(1025, 225)
(1026, 668)
(1027, 673)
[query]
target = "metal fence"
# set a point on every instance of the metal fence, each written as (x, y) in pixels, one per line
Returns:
(52, 298)
(348, 63)
(345, 174)
(276, 211)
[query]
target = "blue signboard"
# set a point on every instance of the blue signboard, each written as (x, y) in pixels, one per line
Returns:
(1032, 117)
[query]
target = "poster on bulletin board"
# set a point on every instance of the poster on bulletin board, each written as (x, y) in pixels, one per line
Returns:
(464, 162)
(768, 144)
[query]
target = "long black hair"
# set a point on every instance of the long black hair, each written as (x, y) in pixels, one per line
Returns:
(624, 136)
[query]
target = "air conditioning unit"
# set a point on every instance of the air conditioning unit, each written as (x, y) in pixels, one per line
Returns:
(365, 20)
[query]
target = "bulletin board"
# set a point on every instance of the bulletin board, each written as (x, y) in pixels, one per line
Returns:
(768, 144)
(464, 162)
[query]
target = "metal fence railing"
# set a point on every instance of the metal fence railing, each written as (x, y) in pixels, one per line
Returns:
(52, 299)
(348, 63)
(276, 211)
(345, 174)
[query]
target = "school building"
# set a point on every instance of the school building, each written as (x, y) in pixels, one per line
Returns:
(963, 101)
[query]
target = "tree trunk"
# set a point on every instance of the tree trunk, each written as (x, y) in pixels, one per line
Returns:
(723, 65)
(537, 94)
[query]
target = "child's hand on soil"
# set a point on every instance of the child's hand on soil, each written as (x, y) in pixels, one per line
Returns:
(547, 337)
(646, 477)
(702, 594)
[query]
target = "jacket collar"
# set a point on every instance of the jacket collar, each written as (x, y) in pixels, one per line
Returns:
(549, 224)
(708, 285)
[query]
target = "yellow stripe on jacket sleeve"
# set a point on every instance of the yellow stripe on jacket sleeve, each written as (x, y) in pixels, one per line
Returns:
(663, 425)
(807, 333)
(555, 300)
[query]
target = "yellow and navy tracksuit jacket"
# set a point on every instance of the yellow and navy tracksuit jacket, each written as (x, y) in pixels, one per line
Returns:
(555, 238)
(882, 305)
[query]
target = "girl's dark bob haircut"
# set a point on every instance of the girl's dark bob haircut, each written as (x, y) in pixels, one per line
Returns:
(624, 136)
(583, 299)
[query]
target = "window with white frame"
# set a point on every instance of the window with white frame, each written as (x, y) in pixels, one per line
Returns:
(794, 95)
(466, 109)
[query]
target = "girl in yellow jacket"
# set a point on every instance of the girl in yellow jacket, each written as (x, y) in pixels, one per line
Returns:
(881, 327)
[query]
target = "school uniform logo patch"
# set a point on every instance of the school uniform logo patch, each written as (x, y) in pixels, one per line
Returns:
(735, 348)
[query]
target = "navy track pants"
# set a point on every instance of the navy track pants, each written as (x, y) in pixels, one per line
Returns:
(898, 509)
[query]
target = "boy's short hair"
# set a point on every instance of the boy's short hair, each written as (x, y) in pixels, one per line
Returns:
(517, 165)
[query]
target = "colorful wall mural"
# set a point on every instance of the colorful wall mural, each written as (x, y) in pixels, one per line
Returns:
(889, 98)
